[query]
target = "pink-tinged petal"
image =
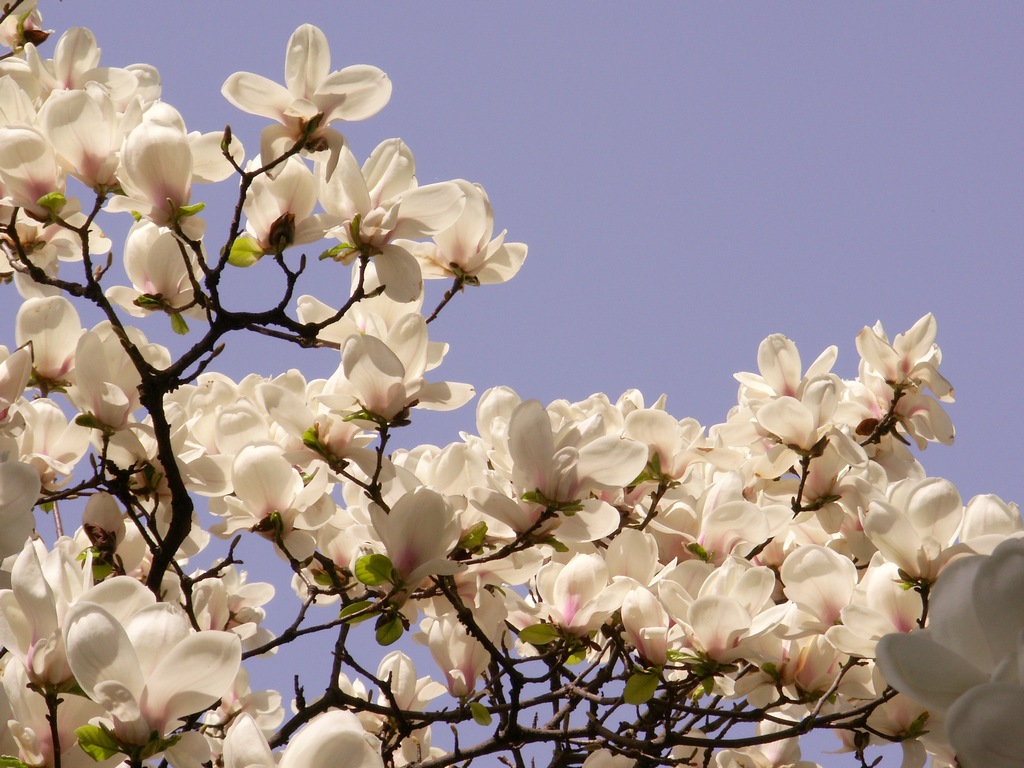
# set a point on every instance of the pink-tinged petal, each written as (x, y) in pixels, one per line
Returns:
(420, 528)
(819, 580)
(99, 650)
(716, 623)
(257, 95)
(84, 134)
(929, 673)
(353, 93)
(927, 417)
(194, 674)
(307, 61)
(917, 342)
(530, 444)
(376, 373)
(986, 727)
(245, 745)
(75, 54)
(157, 164)
(28, 167)
(329, 736)
(264, 480)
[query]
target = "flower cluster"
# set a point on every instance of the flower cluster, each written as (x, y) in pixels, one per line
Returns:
(597, 579)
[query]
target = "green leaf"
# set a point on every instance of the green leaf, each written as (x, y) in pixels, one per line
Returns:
(374, 570)
(147, 301)
(699, 551)
(178, 324)
(539, 634)
(190, 210)
(53, 202)
(6, 761)
(389, 631)
(576, 656)
(555, 544)
(245, 252)
(535, 497)
(89, 421)
(480, 714)
(474, 537)
(311, 439)
(97, 742)
(640, 688)
(157, 745)
(353, 608)
(338, 252)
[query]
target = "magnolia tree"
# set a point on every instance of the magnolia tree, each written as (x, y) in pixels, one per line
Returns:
(595, 583)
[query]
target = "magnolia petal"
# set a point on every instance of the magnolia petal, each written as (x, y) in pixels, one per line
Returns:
(929, 673)
(32, 590)
(329, 736)
(357, 92)
(390, 171)
(444, 395)
(399, 273)
(779, 363)
(19, 490)
(193, 675)
(986, 727)
(307, 61)
(264, 480)
(376, 373)
(152, 630)
(429, 209)
(245, 746)
(99, 650)
(996, 597)
(257, 95)
(611, 462)
(789, 420)
(716, 622)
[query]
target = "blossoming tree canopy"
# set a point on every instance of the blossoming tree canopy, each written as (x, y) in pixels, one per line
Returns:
(597, 583)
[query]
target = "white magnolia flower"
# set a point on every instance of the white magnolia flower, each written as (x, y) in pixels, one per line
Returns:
(967, 661)
(312, 98)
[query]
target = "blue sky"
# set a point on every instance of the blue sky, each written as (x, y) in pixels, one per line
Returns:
(689, 178)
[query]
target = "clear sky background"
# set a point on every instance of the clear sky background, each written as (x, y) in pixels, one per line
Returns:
(689, 177)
